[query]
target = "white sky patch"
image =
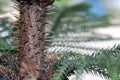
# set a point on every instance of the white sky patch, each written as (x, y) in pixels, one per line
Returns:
(113, 31)
(111, 5)
(88, 76)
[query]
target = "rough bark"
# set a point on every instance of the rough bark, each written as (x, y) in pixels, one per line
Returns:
(31, 34)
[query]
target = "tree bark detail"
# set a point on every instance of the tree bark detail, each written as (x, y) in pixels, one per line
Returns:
(32, 28)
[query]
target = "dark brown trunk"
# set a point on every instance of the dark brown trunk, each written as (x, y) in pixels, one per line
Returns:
(32, 29)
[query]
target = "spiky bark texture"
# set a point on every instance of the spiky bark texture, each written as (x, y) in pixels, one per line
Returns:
(32, 41)
(9, 67)
(30, 63)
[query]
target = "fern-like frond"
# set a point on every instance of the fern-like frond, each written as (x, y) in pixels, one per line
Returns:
(74, 28)
(105, 62)
(62, 13)
(5, 47)
(67, 64)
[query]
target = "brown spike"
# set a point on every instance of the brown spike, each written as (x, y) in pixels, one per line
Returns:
(15, 38)
(48, 41)
(15, 15)
(16, 34)
(21, 55)
(17, 26)
(45, 41)
(46, 32)
(42, 42)
(43, 49)
(18, 50)
(16, 47)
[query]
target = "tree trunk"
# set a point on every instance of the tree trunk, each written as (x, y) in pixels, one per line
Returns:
(32, 41)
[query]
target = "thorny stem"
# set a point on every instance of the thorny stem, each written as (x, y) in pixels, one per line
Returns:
(32, 28)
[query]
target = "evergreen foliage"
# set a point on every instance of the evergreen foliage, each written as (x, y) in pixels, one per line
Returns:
(6, 47)
(71, 25)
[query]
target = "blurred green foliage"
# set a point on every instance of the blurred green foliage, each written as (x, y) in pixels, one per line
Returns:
(73, 25)
(62, 3)
(2, 5)
(5, 25)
